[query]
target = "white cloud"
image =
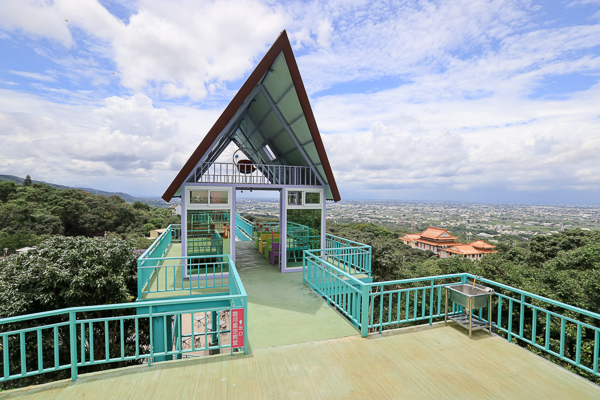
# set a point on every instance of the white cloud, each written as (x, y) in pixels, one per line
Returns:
(191, 44)
(179, 47)
(526, 143)
(127, 138)
(37, 19)
(33, 75)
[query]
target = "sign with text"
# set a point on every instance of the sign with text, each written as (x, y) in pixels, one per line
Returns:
(238, 327)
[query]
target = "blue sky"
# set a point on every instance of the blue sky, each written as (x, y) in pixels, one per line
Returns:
(479, 100)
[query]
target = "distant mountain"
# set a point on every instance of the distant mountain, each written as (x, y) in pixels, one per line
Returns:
(152, 201)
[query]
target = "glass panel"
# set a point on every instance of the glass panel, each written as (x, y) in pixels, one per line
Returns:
(219, 196)
(208, 232)
(303, 233)
(198, 196)
(313, 198)
(295, 198)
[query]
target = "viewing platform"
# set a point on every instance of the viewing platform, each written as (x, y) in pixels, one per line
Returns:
(290, 311)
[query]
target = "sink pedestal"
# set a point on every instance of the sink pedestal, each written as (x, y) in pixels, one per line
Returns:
(470, 297)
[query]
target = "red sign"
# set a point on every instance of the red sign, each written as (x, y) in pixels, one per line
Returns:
(238, 327)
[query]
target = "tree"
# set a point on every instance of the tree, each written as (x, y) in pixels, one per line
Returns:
(27, 181)
(39, 209)
(138, 205)
(6, 189)
(69, 272)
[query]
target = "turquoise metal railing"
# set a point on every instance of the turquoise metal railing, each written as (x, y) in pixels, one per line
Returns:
(207, 269)
(93, 338)
(335, 242)
(201, 272)
(551, 323)
(204, 242)
(151, 257)
(336, 286)
(414, 300)
(569, 333)
(175, 233)
(352, 257)
(244, 225)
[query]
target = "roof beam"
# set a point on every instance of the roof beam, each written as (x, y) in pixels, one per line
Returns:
(262, 134)
(232, 122)
(277, 103)
(303, 146)
(252, 145)
(289, 131)
(284, 93)
(290, 124)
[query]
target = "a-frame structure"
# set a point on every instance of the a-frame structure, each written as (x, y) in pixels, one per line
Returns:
(272, 124)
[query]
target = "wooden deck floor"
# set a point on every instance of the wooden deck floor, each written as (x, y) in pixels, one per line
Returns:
(438, 362)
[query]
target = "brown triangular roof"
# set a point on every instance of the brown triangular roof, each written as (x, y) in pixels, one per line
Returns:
(281, 45)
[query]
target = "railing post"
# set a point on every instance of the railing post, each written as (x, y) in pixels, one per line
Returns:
(245, 325)
(364, 317)
(304, 267)
(73, 344)
(139, 278)
(431, 304)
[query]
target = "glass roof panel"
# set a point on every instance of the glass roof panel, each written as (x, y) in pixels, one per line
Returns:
(300, 129)
(295, 158)
(259, 107)
(271, 125)
(278, 80)
(321, 171)
(311, 150)
(283, 143)
(290, 106)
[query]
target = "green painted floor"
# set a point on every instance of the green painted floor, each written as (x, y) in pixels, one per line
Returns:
(281, 310)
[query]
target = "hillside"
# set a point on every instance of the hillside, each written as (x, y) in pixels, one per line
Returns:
(152, 201)
(29, 214)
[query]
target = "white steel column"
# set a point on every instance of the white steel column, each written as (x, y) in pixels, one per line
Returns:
(283, 230)
(232, 228)
(323, 220)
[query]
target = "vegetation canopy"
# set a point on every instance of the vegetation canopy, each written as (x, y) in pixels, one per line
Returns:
(30, 214)
(65, 272)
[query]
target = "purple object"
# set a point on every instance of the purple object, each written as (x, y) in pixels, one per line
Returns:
(274, 252)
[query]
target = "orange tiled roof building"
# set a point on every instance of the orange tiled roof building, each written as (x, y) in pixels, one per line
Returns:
(442, 243)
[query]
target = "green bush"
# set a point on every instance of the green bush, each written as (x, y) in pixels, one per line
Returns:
(67, 272)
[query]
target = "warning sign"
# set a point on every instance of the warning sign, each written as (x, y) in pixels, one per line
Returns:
(238, 327)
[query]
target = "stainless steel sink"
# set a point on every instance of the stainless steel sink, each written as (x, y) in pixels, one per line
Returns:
(470, 296)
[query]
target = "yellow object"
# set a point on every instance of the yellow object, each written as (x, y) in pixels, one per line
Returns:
(262, 243)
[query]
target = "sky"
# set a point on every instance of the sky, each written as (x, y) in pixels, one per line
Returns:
(475, 100)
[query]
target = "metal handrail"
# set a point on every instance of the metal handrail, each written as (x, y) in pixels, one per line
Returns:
(257, 174)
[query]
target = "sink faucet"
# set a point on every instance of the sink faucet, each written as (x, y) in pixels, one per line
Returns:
(475, 279)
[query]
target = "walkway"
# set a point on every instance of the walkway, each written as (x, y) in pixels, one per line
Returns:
(281, 310)
(436, 362)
